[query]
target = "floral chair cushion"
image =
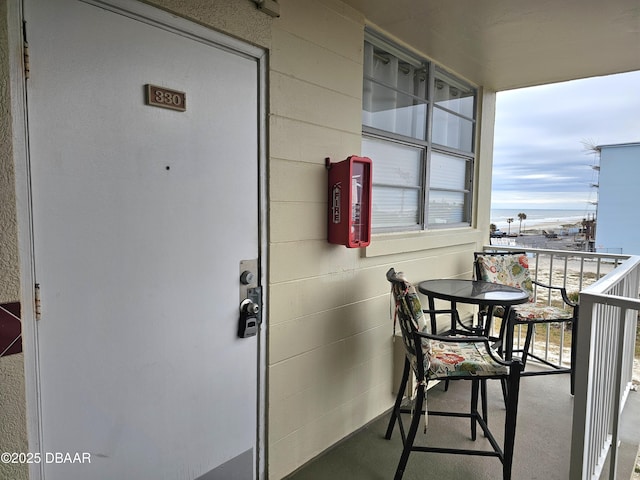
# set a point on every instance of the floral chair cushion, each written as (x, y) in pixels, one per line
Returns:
(443, 359)
(513, 270)
(461, 359)
(531, 311)
(413, 308)
(409, 305)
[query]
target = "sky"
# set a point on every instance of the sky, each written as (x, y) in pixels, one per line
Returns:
(540, 158)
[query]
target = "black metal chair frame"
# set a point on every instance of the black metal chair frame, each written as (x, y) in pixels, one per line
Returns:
(507, 328)
(413, 339)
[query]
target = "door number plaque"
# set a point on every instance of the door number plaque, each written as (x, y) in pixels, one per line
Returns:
(165, 98)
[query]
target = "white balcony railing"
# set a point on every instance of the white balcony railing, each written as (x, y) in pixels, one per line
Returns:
(608, 286)
(604, 369)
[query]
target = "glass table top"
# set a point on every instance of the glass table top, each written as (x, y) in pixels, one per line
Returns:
(473, 291)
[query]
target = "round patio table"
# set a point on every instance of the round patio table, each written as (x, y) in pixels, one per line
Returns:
(476, 292)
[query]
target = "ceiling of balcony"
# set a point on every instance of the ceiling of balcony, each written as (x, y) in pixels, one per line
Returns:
(505, 44)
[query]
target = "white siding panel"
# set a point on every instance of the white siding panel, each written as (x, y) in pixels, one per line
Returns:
(330, 338)
(298, 221)
(328, 23)
(308, 143)
(336, 370)
(309, 103)
(316, 65)
(305, 408)
(302, 444)
(304, 334)
(297, 182)
(307, 296)
(319, 294)
(294, 260)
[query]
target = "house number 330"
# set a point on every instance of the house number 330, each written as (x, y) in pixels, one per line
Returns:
(165, 98)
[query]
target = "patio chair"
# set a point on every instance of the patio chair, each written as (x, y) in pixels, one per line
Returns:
(512, 268)
(433, 357)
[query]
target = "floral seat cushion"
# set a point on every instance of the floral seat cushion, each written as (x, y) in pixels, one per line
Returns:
(448, 359)
(513, 270)
(531, 312)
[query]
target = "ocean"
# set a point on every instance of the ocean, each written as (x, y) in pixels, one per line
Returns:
(536, 216)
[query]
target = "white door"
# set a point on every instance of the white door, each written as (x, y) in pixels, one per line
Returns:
(141, 217)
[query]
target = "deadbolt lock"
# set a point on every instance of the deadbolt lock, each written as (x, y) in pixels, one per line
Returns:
(250, 313)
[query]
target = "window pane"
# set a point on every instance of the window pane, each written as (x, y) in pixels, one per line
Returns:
(397, 182)
(395, 207)
(393, 111)
(448, 171)
(446, 207)
(454, 96)
(394, 163)
(403, 74)
(452, 131)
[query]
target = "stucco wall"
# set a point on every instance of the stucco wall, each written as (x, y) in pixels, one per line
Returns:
(240, 19)
(13, 435)
(9, 272)
(330, 361)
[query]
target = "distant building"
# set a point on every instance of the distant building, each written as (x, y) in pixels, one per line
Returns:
(618, 228)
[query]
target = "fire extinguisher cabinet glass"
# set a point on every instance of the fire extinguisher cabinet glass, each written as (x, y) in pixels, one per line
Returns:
(350, 202)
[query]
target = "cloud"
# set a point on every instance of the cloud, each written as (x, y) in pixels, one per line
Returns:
(523, 200)
(540, 158)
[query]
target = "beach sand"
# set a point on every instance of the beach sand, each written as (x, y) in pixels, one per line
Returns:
(563, 240)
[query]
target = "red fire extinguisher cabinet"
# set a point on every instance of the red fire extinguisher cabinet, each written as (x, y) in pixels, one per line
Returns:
(350, 202)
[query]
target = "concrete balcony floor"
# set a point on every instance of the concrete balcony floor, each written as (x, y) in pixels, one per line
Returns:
(542, 449)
